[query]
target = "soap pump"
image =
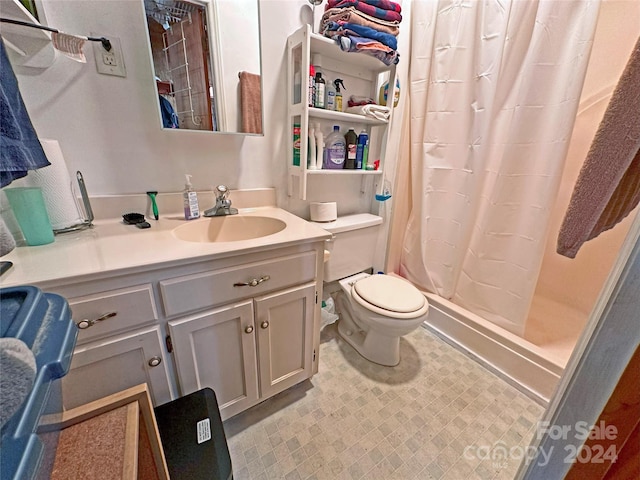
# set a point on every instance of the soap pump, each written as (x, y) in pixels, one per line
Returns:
(190, 200)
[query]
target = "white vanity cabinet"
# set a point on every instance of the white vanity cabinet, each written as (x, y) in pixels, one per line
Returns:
(245, 325)
(251, 349)
(119, 344)
(101, 368)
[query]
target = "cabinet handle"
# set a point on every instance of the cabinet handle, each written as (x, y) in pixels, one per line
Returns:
(155, 361)
(254, 282)
(86, 323)
(249, 329)
(264, 324)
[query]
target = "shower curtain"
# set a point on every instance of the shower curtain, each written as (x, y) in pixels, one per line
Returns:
(494, 89)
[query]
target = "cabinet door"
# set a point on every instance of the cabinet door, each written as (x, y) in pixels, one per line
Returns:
(102, 368)
(216, 349)
(284, 321)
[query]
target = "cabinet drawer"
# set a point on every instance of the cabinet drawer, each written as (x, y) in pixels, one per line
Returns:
(203, 290)
(132, 306)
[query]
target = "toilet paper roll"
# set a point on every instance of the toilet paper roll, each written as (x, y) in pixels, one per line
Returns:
(323, 211)
(57, 189)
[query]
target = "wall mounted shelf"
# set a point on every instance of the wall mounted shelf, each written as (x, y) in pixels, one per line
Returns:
(363, 75)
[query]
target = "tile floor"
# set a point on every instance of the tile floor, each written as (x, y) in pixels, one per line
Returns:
(358, 420)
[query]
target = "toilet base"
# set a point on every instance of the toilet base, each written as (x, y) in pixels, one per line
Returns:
(373, 346)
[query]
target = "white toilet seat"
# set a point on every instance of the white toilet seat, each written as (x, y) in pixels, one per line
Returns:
(389, 296)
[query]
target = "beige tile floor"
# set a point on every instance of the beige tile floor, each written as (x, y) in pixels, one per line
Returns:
(358, 420)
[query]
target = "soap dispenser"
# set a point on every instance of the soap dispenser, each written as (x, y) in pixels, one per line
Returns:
(190, 201)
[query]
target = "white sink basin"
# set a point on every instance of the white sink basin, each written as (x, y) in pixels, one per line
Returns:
(230, 228)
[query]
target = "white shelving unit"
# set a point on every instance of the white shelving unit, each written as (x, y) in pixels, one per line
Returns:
(362, 74)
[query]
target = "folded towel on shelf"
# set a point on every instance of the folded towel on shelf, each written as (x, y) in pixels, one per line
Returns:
(370, 9)
(250, 100)
(379, 112)
(384, 4)
(357, 100)
(351, 15)
(344, 28)
(18, 367)
(350, 43)
(20, 149)
(608, 186)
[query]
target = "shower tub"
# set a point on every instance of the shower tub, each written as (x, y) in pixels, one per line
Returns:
(524, 364)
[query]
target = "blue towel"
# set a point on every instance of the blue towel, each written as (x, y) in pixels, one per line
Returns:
(362, 31)
(350, 43)
(169, 116)
(20, 149)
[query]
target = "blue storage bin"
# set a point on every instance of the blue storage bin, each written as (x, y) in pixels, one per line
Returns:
(43, 322)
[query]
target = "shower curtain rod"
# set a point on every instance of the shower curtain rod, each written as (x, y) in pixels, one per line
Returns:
(105, 41)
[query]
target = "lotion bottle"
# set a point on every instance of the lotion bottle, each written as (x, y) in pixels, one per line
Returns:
(311, 155)
(319, 147)
(190, 201)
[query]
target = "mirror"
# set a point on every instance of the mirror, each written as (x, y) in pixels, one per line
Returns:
(207, 65)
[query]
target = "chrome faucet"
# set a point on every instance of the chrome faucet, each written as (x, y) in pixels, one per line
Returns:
(223, 204)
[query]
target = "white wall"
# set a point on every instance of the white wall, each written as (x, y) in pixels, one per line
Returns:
(577, 282)
(237, 25)
(108, 126)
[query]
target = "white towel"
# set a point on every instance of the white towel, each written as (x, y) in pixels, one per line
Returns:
(373, 110)
(18, 367)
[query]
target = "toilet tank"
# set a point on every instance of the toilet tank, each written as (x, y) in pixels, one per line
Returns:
(352, 248)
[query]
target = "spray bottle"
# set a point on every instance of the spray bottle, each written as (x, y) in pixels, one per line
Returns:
(338, 100)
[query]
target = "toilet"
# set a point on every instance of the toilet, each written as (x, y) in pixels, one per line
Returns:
(375, 310)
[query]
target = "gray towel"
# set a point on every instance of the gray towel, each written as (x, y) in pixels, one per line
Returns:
(18, 367)
(20, 149)
(7, 242)
(608, 187)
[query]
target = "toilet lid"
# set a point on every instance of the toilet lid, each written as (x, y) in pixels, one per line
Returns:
(390, 293)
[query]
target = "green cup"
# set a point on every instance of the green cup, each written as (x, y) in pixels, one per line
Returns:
(28, 207)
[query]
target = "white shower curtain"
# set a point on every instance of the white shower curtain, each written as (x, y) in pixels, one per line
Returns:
(494, 89)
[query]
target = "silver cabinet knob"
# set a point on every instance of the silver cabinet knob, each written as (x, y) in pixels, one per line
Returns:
(86, 323)
(155, 361)
(264, 324)
(249, 329)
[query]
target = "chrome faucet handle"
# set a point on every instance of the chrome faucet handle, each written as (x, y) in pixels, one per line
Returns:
(222, 191)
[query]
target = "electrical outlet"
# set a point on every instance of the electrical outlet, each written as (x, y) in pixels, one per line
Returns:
(109, 62)
(109, 59)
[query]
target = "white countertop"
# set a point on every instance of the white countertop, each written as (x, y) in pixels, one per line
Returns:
(114, 247)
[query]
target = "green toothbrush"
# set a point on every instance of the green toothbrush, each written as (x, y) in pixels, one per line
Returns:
(154, 205)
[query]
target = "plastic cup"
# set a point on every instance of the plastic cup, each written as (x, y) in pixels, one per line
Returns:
(29, 209)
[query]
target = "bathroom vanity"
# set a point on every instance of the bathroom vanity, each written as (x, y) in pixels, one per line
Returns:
(239, 316)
